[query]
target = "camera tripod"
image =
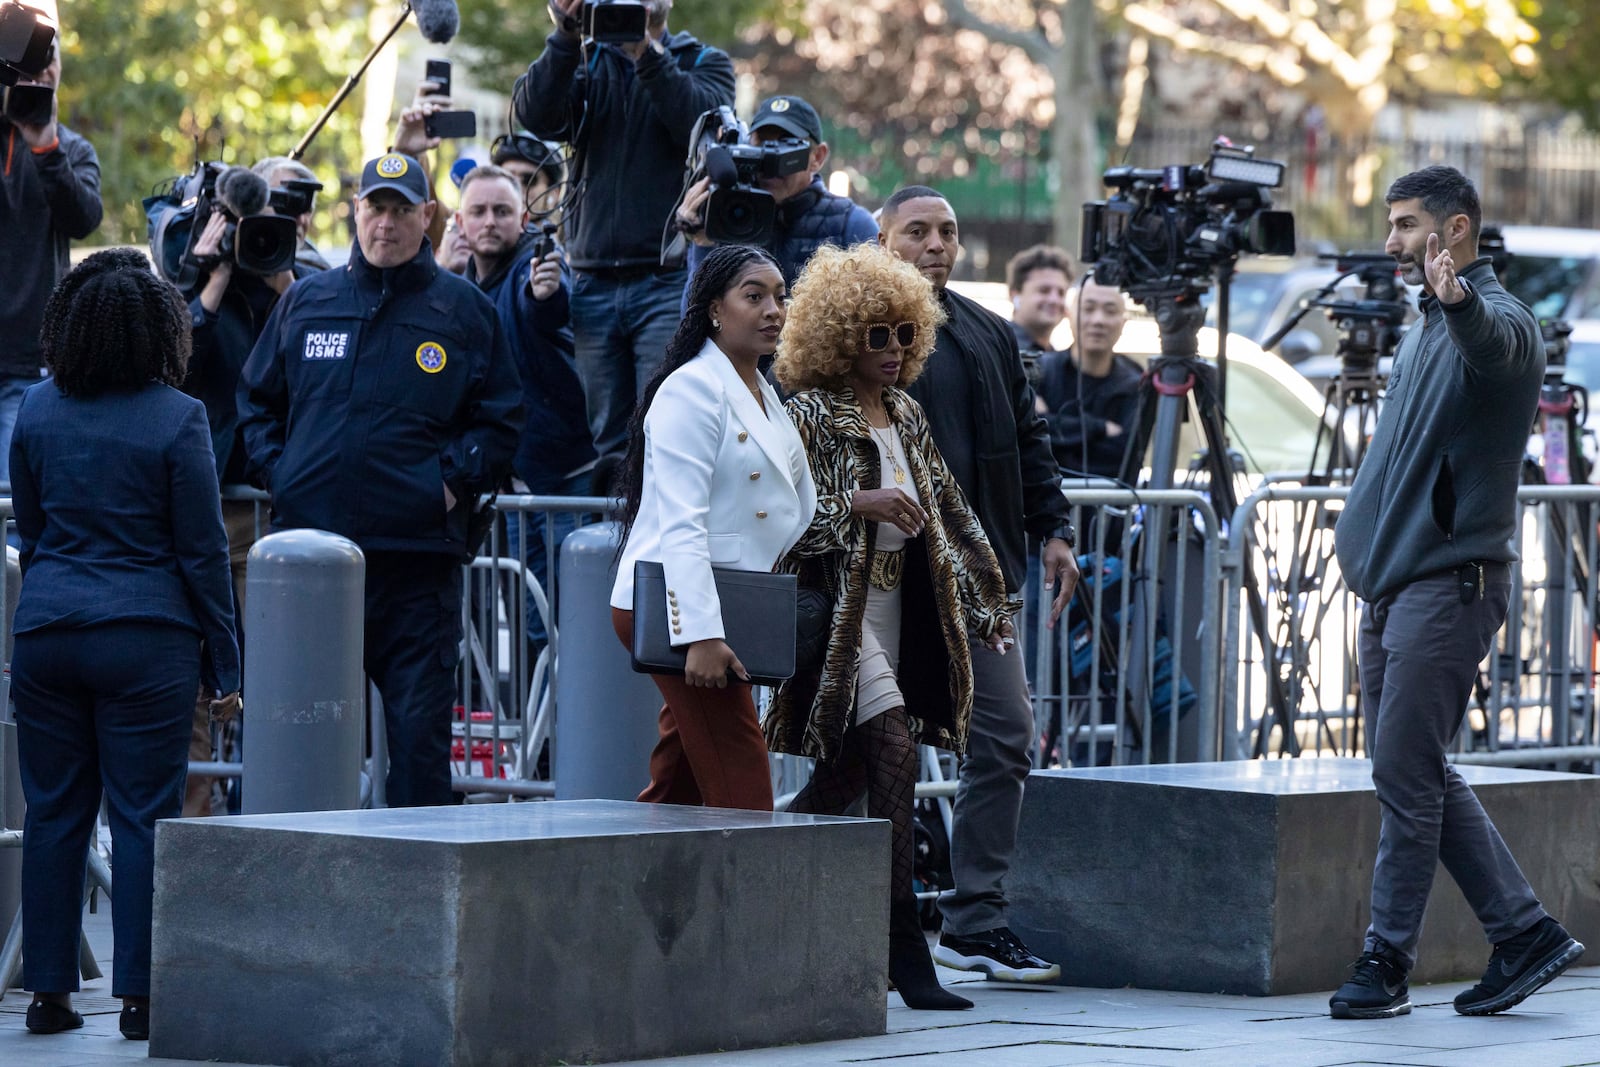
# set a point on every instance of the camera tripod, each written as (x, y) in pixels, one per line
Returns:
(1306, 591)
(1171, 380)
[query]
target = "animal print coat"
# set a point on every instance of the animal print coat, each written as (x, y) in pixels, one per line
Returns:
(952, 584)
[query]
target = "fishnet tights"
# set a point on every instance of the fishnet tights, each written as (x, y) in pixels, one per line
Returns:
(877, 756)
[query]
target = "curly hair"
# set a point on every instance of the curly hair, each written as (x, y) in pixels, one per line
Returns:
(717, 274)
(111, 324)
(838, 295)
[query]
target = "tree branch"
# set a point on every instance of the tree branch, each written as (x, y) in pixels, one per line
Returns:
(963, 17)
(1258, 57)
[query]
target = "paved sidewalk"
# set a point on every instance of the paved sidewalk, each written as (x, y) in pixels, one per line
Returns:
(1026, 1026)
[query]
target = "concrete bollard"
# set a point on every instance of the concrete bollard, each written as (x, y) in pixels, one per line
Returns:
(303, 685)
(605, 713)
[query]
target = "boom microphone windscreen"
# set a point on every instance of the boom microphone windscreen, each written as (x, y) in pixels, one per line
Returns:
(720, 167)
(242, 191)
(437, 19)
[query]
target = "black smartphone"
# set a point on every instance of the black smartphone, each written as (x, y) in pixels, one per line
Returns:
(438, 72)
(29, 105)
(451, 124)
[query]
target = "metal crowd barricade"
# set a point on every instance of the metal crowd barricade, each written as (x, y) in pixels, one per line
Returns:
(1109, 679)
(1291, 685)
(507, 716)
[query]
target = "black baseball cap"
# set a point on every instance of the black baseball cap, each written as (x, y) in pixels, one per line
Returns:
(790, 114)
(397, 171)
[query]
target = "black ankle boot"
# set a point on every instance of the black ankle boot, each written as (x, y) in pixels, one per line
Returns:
(910, 966)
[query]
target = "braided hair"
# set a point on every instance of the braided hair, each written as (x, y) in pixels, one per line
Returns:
(112, 325)
(716, 275)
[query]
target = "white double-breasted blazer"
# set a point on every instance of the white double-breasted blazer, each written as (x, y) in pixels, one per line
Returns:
(724, 484)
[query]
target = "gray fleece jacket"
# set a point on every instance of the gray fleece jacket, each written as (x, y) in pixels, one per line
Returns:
(1438, 487)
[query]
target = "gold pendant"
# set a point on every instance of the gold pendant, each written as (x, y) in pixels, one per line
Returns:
(899, 477)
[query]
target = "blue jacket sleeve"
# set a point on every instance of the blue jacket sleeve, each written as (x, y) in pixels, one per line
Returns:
(201, 543)
(478, 457)
(264, 399)
(860, 226)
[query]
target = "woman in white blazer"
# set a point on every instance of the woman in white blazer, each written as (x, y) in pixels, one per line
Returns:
(715, 475)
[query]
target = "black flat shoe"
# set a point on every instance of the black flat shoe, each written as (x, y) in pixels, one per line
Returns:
(135, 1022)
(48, 1017)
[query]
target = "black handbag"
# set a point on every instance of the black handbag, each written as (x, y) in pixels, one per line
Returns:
(758, 617)
(813, 625)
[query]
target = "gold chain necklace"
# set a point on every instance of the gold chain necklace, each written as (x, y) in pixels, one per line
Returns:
(888, 448)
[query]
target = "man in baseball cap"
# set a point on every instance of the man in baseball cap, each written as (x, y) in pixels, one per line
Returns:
(394, 207)
(789, 115)
(808, 215)
(380, 402)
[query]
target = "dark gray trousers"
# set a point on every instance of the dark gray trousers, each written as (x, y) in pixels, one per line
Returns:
(989, 797)
(1419, 650)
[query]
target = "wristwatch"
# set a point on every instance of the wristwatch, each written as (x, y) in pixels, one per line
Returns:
(1065, 532)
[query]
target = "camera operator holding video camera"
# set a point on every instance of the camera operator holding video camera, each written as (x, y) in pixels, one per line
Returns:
(804, 214)
(49, 196)
(624, 93)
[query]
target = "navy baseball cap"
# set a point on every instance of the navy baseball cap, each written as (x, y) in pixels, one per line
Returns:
(791, 115)
(397, 171)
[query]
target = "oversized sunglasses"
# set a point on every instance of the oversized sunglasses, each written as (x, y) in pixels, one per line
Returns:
(878, 335)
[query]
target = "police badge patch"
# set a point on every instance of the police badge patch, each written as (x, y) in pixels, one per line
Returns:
(431, 357)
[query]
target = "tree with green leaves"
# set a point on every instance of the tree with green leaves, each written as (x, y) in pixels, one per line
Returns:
(157, 84)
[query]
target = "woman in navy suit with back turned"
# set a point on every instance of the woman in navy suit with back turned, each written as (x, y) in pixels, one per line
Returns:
(124, 574)
(715, 475)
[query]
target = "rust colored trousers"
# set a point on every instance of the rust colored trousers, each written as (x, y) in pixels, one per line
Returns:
(711, 751)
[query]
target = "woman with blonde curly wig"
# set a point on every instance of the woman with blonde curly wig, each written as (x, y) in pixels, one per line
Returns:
(902, 555)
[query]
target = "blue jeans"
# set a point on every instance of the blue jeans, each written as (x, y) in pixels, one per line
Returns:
(11, 389)
(538, 541)
(620, 331)
(101, 708)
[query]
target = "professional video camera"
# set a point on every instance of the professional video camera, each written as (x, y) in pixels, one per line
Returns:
(27, 42)
(1165, 229)
(737, 211)
(253, 240)
(1369, 328)
(615, 21)
(295, 197)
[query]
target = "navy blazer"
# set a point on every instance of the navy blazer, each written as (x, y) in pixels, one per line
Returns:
(120, 518)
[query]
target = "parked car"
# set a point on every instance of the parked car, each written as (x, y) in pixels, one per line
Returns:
(1555, 271)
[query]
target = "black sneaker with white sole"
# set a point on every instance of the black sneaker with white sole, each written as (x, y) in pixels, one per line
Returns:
(1376, 989)
(998, 953)
(1520, 965)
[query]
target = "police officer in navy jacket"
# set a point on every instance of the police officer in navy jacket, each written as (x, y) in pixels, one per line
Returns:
(380, 401)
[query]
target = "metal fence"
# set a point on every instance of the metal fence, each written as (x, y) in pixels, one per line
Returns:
(1291, 687)
(1192, 637)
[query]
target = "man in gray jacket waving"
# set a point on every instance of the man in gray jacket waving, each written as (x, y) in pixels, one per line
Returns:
(1426, 541)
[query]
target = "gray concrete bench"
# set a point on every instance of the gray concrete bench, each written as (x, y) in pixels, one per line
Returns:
(576, 931)
(1253, 877)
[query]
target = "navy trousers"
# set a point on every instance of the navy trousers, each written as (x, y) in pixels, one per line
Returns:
(99, 708)
(413, 639)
